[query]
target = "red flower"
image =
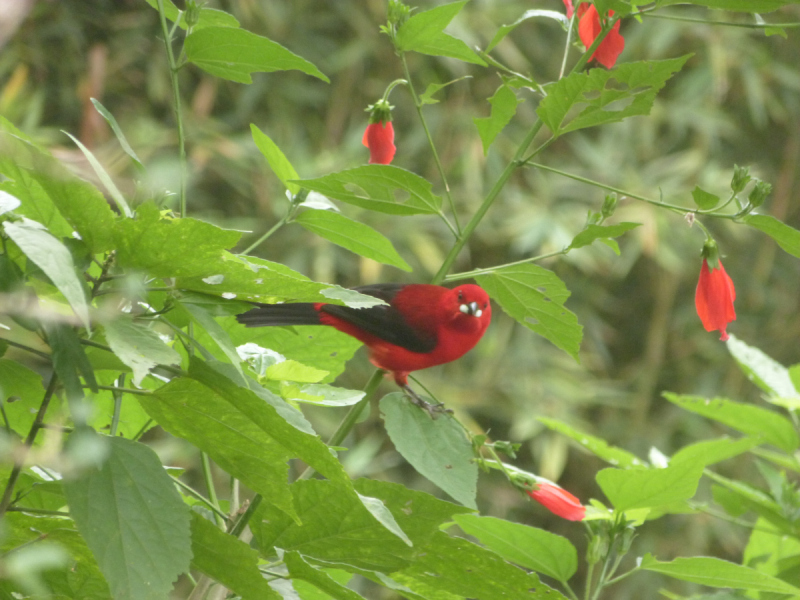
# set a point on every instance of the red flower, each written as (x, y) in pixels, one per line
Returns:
(379, 138)
(589, 28)
(558, 501)
(715, 295)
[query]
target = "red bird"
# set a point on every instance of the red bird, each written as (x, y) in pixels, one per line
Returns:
(420, 326)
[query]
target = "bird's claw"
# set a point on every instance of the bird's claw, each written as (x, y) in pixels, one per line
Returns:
(433, 410)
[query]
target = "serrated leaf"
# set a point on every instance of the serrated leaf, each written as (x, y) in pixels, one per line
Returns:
(276, 159)
(190, 410)
(605, 96)
(704, 200)
(602, 233)
(529, 547)
(112, 122)
(504, 30)
(715, 572)
(436, 448)
(170, 247)
(504, 106)
(424, 33)
(535, 298)
(427, 96)
(443, 44)
(383, 188)
(649, 488)
(236, 53)
(747, 418)
(228, 560)
(786, 237)
(352, 235)
(597, 446)
(104, 177)
(132, 496)
(52, 257)
(460, 567)
(333, 526)
(138, 346)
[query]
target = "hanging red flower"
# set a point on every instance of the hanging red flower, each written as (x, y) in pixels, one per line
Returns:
(558, 501)
(379, 138)
(715, 293)
(589, 28)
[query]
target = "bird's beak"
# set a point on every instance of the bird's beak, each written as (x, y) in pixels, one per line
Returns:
(471, 309)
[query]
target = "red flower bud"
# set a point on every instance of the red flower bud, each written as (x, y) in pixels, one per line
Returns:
(379, 138)
(589, 28)
(714, 298)
(558, 501)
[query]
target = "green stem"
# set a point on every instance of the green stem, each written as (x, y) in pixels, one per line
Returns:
(724, 23)
(487, 203)
(38, 422)
(38, 511)
(212, 491)
(27, 348)
(190, 490)
(176, 99)
(295, 203)
(244, 519)
(122, 389)
(117, 392)
(438, 162)
(490, 270)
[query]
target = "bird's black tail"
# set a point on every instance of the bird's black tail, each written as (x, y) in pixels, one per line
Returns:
(300, 313)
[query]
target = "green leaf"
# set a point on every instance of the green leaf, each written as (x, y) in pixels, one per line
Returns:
(427, 96)
(333, 525)
(605, 96)
(504, 30)
(535, 298)
(138, 346)
(300, 569)
(190, 410)
(352, 235)
(18, 381)
(529, 547)
(646, 488)
(766, 373)
(321, 394)
(747, 418)
(276, 159)
(8, 202)
(104, 177)
(228, 560)
(123, 141)
(436, 448)
(424, 33)
(236, 53)
(704, 200)
(291, 370)
(460, 567)
(383, 188)
(737, 498)
(208, 17)
(257, 279)
(715, 572)
(170, 247)
(750, 6)
(597, 446)
(787, 237)
(195, 307)
(710, 452)
(504, 106)
(69, 359)
(133, 520)
(382, 514)
(52, 257)
(601, 232)
(309, 448)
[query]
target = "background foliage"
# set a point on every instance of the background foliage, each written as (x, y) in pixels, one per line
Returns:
(736, 101)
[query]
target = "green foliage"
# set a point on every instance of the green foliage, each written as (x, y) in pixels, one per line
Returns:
(120, 353)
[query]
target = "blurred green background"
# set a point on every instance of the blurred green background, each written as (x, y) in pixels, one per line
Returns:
(737, 101)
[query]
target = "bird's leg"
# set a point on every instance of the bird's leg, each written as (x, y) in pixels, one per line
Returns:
(433, 409)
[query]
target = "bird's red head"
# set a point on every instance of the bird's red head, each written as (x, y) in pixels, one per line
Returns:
(469, 307)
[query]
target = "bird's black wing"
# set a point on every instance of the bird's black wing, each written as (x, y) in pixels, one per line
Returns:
(298, 313)
(385, 321)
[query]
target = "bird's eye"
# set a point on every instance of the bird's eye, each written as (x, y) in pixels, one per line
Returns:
(460, 296)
